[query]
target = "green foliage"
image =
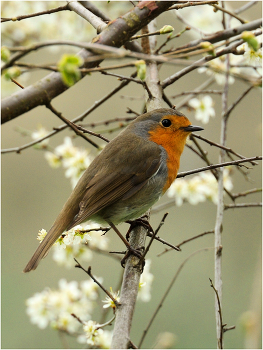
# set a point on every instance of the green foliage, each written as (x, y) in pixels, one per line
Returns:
(12, 73)
(69, 68)
(5, 54)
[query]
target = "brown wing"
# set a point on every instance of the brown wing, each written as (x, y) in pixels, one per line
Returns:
(111, 183)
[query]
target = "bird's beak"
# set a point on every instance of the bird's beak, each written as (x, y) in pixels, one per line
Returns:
(191, 128)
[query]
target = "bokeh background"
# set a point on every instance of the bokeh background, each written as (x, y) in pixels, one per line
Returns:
(33, 193)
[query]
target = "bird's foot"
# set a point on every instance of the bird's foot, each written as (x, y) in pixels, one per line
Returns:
(142, 221)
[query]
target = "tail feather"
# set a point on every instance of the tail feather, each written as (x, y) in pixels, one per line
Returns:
(43, 249)
(62, 223)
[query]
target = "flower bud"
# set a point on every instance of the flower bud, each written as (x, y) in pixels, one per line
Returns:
(5, 54)
(141, 69)
(166, 29)
(12, 73)
(251, 40)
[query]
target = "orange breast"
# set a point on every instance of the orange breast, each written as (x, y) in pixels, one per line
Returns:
(173, 144)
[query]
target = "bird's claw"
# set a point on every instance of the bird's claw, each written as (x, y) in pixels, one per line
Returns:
(137, 222)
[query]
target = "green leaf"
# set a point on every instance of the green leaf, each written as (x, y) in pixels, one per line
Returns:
(69, 68)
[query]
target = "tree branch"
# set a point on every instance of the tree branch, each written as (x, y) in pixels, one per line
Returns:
(115, 34)
(47, 12)
(214, 166)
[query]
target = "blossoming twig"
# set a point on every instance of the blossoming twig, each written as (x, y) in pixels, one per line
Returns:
(96, 281)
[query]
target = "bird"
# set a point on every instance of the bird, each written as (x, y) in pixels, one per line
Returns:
(130, 174)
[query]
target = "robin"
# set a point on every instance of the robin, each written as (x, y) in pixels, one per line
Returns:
(131, 173)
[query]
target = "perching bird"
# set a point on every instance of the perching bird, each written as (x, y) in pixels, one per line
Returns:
(131, 173)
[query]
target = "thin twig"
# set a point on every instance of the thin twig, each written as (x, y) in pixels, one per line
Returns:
(138, 81)
(166, 294)
(75, 120)
(240, 98)
(187, 240)
(169, 38)
(17, 83)
(71, 125)
(220, 200)
(243, 194)
(192, 3)
(200, 92)
(230, 13)
(220, 340)
(47, 12)
(108, 121)
(77, 318)
(159, 239)
(214, 166)
(152, 239)
(212, 143)
(96, 281)
(91, 133)
(242, 205)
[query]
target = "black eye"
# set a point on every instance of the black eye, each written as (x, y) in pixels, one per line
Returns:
(166, 123)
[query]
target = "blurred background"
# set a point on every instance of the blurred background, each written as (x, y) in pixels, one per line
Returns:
(33, 193)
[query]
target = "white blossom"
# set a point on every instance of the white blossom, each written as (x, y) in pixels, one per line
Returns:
(96, 336)
(146, 279)
(204, 19)
(198, 188)
(37, 309)
(41, 234)
(90, 289)
(103, 339)
(72, 158)
(54, 307)
(39, 133)
(65, 257)
(53, 160)
(217, 69)
(108, 302)
(203, 108)
(92, 330)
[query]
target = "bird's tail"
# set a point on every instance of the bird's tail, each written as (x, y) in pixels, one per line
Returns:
(62, 223)
(43, 249)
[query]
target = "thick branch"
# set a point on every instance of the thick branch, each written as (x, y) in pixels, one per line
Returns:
(115, 34)
(129, 291)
